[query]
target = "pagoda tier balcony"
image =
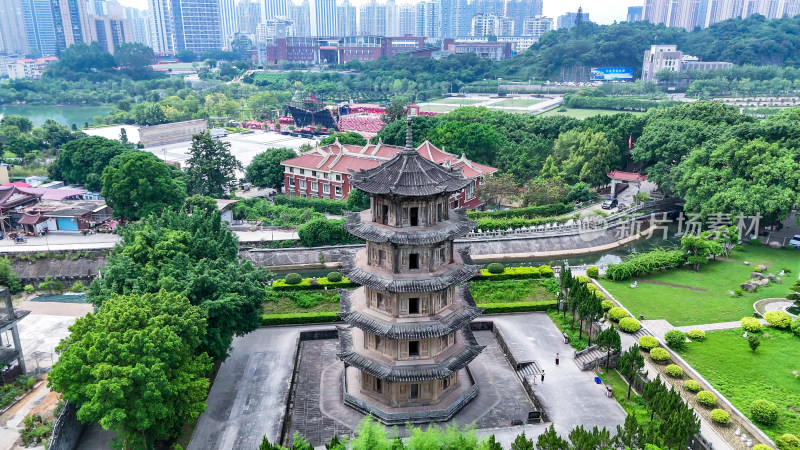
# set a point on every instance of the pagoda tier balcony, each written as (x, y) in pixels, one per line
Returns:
(453, 317)
(360, 224)
(410, 369)
(358, 271)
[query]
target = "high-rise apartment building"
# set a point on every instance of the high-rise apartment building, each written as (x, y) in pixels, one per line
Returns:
(537, 26)
(323, 17)
(428, 14)
(248, 16)
(301, 16)
(110, 31)
(197, 25)
(162, 37)
(491, 25)
(228, 22)
(346, 21)
(690, 14)
(372, 19)
(74, 22)
(634, 13)
(12, 28)
(271, 9)
(455, 18)
(407, 20)
(41, 20)
(568, 20)
(392, 18)
(140, 24)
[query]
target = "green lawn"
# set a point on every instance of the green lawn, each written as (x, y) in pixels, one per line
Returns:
(286, 302)
(725, 360)
(440, 108)
(458, 101)
(681, 306)
(517, 103)
(583, 113)
(512, 291)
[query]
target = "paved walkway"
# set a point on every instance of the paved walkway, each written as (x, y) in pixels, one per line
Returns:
(659, 327)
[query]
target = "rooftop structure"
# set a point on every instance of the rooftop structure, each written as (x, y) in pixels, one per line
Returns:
(325, 172)
(407, 344)
(668, 57)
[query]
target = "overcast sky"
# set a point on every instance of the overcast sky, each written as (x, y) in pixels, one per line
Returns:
(600, 11)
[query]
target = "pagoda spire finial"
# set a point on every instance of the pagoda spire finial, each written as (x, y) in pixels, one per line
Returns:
(409, 137)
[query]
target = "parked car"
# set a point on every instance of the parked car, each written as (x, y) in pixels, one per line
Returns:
(795, 241)
(610, 204)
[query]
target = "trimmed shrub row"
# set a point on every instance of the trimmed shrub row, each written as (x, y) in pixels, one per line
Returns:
(512, 223)
(515, 273)
(674, 371)
(644, 263)
(751, 325)
(706, 399)
(778, 319)
(306, 284)
(500, 308)
(647, 342)
(298, 318)
(629, 325)
(617, 313)
(320, 205)
(530, 212)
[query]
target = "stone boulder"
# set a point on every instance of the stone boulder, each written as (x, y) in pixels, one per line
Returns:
(757, 276)
(771, 276)
(746, 263)
(749, 286)
(775, 244)
(764, 282)
(762, 267)
(778, 280)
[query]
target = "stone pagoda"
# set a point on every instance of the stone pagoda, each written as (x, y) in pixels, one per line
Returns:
(408, 342)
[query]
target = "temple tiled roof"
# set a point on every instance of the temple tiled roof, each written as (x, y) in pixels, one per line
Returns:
(411, 330)
(447, 230)
(409, 174)
(408, 373)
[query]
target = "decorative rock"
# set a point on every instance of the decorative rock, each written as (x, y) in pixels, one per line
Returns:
(749, 286)
(775, 244)
(764, 282)
(778, 280)
(771, 276)
(757, 276)
(762, 267)
(747, 263)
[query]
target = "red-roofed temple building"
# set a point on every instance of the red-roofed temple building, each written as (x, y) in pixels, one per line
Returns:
(631, 178)
(325, 171)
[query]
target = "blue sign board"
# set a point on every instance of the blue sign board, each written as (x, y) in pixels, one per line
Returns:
(612, 73)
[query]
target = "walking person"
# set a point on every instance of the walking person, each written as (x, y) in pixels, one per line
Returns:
(556, 358)
(542, 375)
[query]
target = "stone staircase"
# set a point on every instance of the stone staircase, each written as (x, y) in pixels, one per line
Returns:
(528, 368)
(586, 359)
(642, 332)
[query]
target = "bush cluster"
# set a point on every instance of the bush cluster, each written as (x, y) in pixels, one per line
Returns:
(298, 318)
(648, 342)
(674, 371)
(496, 268)
(751, 325)
(617, 313)
(706, 398)
(720, 416)
(675, 339)
(691, 385)
(334, 277)
(796, 326)
(593, 272)
(546, 272)
(658, 354)
(583, 279)
(529, 212)
(696, 335)
(512, 273)
(629, 325)
(500, 308)
(761, 447)
(764, 411)
(607, 304)
(512, 223)
(644, 263)
(787, 442)
(618, 103)
(292, 278)
(307, 284)
(320, 205)
(273, 215)
(778, 319)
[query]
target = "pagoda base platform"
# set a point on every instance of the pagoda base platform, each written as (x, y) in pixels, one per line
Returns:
(444, 410)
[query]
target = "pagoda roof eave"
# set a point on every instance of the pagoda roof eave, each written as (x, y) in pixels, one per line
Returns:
(370, 231)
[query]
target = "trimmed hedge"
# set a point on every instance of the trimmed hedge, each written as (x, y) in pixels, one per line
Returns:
(593, 272)
(298, 318)
(629, 325)
(787, 442)
(675, 339)
(607, 304)
(546, 272)
(495, 268)
(334, 277)
(513, 273)
(762, 447)
(674, 371)
(616, 314)
(764, 411)
(644, 263)
(583, 279)
(530, 212)
(648, 342)
(490, 224)
(720, 416)
(691, 385)
(706, 398)
(778, 319)
(696, 335)
(292, 279)
(658, 354)
(500, 308)
(320, 205)
(307, 284)
(751, 325)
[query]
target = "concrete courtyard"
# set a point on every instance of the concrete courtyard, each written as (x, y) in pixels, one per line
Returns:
(248, 399)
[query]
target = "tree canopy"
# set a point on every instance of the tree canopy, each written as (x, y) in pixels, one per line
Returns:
(266, 170)
(136, 367)
(138, 184)
(212, 167)
(82, 161)
(196, 256)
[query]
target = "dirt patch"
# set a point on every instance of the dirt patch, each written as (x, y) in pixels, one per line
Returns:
(679, 286)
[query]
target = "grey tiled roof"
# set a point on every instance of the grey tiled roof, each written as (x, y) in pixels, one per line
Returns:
(448, 230)
(411, 330)
(419, 372)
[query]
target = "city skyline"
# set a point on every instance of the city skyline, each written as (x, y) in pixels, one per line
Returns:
(608, 12)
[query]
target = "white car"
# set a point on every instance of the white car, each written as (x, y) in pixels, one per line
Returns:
(795, 241)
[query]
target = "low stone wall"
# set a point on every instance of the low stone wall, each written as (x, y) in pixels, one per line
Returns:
(67, 429)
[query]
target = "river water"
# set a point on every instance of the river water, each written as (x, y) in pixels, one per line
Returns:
(65, 115)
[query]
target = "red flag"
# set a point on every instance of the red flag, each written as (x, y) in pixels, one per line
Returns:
(630, 142)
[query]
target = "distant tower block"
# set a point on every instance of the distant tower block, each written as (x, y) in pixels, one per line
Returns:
(408, 341)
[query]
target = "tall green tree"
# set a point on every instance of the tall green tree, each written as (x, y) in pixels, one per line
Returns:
(630, 363)
(138, 184)
(135, 367)
(212, 167)
(197, 256)
(609, 340)
(82, 161)
(266, 170)
(347, 138)
(134, 56)
(550, 440)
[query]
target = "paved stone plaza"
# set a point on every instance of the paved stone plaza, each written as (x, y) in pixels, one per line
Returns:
(248, 399)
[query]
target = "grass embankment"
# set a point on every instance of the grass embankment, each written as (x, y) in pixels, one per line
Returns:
(517, 103)
(685, 297)
(579, 113)
(743, 376)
